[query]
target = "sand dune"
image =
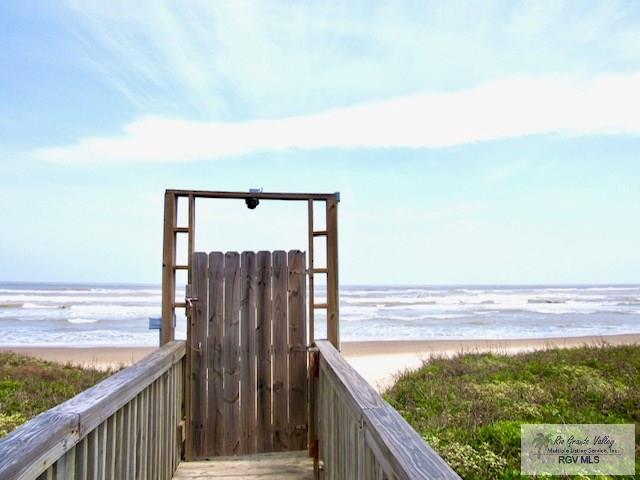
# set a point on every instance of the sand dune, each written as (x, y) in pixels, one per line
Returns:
(379, 361)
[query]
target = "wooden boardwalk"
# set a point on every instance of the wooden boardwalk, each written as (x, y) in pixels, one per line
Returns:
(280, 465)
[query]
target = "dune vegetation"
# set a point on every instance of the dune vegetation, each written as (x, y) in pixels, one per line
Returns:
(29, 386)
(469, 408)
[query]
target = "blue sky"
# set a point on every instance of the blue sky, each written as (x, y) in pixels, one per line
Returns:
(472, 142)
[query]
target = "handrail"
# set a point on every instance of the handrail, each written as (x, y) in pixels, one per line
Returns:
(41, 442)
(362, 436)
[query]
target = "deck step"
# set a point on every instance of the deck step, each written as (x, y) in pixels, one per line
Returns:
(280, 465)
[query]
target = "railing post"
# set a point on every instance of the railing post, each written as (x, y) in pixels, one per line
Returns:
(314, 374)
(333, 316)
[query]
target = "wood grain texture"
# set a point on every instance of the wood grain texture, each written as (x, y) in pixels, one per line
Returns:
(153, 426)
(298, 382)
(81, 458)
(130, 450)
(143, 437)
(263, 352)
(188, 405)
(191, 232)
(257, 313)
(168, 261)
(280, 384)
(248, 352)
(110, 470)
(231, 353)
(353, 388)
(275, 466)
(101, 440)
(215, 337)
(361, 435)
(333, 294)
(310, 236)
(261, 195)
(93, 452)
(75, 438)
(198, 325)
(255, 344)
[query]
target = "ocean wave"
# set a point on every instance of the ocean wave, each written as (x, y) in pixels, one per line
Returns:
(82, 320)
(116, 312)
(347, 292)
(81, 291)
(44, 291)
(593, 288)
(546, 300)
(97, 315)
(441, 316)
(45, 306)
(81, 337)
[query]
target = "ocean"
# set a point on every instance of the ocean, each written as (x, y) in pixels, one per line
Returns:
(98, 314)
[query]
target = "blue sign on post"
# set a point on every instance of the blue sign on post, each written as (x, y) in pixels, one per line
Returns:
(155, 323)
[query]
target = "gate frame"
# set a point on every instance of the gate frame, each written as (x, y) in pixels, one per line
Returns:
(169, 266)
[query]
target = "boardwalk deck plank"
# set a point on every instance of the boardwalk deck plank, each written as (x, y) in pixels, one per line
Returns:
(281, 466)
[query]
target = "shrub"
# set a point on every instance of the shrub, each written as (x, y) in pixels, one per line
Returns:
(470, 407)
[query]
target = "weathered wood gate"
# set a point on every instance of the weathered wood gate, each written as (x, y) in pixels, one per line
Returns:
(246, 354)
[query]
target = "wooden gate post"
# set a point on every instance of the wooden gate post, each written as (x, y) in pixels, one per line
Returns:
(333, 324)
(168, 263)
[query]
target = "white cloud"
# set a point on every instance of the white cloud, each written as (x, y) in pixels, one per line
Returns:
(501, 109)
(260, 59)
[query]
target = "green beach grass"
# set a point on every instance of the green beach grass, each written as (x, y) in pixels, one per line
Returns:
(29, 386)
(470, 407)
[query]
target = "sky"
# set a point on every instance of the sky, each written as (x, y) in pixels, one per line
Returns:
(489, 142)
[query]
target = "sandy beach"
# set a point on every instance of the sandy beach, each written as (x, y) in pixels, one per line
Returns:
(96, 357)
(377, 361)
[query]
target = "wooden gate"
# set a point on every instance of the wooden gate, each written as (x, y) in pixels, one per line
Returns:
(246, 356)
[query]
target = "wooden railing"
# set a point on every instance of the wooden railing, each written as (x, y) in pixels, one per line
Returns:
(124, 427)
(359, 434)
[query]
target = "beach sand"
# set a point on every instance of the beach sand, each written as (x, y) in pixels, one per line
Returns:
(95, 357)
(377, 361)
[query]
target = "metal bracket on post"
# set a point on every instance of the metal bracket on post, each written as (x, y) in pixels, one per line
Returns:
(190, 301)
